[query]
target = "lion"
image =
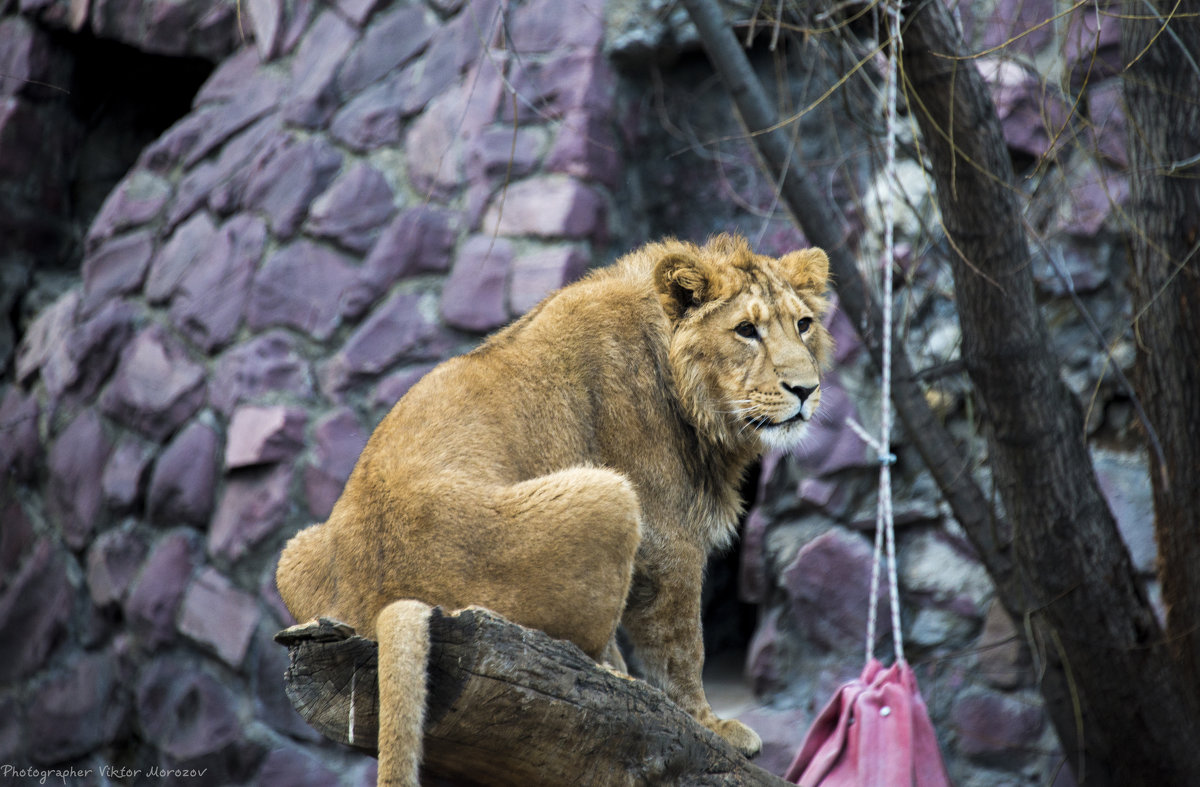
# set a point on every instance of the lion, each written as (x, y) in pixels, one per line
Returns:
(574, 472)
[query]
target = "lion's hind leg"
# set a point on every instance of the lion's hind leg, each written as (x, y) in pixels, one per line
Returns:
(402, 630)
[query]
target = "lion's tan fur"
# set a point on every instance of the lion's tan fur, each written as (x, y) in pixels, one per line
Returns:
(588, 454)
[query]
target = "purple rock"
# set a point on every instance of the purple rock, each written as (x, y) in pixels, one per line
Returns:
(124, 479)
(996, 727)
(219, 616)
(391, 41)
(536, 275)
(395, 330)
(473, 295)
(15, 539)
(829, 445)
(1109, 127)
(78, 709)
(253, 507)
(116, 267)
(339, 441)
(84, 360)
(74, 492)
(184, 711)
(46, 335)
(20, 448)
(586, 148)
(419, 240)
(1031, 115)
(495, 153)
(293, 767)
(1091, 46)
(136, 201)
(156, 387)
(112, 561)
(29, 60)
(154, 596)
(286, 178)
(179, 255)
(1002, 660)
(778, 728)
(266, 364)
(211, 294)
(222, 182)
(301, 286)
(828, 587)
(1019, 26)
(374, 118)
(753, 582)
(266, 17)
(765, 655)
(394, 386)
(354, 209)
(261, 435)
(549, 26)
(181, 488)
(434, 147)
(550, 206)
(256, 96)
(313, 97)
(1125, 482)
(229, 79)
(1092, 195)
(552, 88)
(34, 611)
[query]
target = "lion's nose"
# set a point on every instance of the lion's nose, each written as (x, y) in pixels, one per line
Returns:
(802, 392)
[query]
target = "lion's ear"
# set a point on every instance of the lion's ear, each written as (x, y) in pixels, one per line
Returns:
(807, 269)
(682, 282)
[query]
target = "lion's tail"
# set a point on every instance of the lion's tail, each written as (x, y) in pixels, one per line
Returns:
(402, 629)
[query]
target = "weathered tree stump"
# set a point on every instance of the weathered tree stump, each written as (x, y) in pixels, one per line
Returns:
(511, 706)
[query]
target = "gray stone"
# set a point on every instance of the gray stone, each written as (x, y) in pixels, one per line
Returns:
(112, 561)
(266, 17)
(313, 96)
(1125, 481)
(181, 488)
(124, 479)
(154, 597)
(753, 582)
(550, 206)
(264, 434)
(828, 587)
(536, 275)
(73, 488)
(293, 767)
(354, 209)
(156, 387)
(137, 200)
(339, 440)
(35, 609)
(419, 240)
(778, 728)
(188, 28)
(286, 178)
(77, 711)
(179, 255)
(267, 364)
(766, 654)
(301, 286)
(586, 147)
(1003, 661)
(399, 328)
(253, 507)
(550, 26)
(219, 616)
(473, 296)
(29, 60)
(392, 40)
(211, 295)
(21, 448)
(15, 539)
(185, 711)
(1093, 195)
(941, 568)
(996, 727)
(46, 334)
(558, 85)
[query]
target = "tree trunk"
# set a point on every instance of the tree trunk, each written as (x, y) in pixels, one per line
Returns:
(1114, 694)
(1162, 93)
(511, 706)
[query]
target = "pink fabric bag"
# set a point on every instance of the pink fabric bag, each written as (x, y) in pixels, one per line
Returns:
(874, 733)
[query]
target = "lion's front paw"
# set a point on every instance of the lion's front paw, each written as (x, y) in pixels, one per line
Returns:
(739, 735)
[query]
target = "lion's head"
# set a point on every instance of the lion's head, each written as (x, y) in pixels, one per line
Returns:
(747, 345)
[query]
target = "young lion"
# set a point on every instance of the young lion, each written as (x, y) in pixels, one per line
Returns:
(575, 471)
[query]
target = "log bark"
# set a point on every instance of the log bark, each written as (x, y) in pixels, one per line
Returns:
(511, 706)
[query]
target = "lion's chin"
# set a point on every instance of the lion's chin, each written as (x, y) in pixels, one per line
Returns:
(782, 436)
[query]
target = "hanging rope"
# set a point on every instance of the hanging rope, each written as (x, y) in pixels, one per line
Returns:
(885, 533)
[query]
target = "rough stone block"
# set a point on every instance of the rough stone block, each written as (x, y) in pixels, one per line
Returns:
(996, 727)
(125, 475)
(112, 561)
(154, 597)
(550, 26)
(313, 96)
(46, 334)
(586, 148)
(35, 609)
(354, 209)
(398, 328)
(301, 286)
(374, 118)
(179, 255)
(392, 40)
(550, 206)
(15, 539)
(184, 711)
(286, 178)
(77, 710)
(473, 296)
(419, 240)
(83, 362)
(264, 434)
(74, 490)
(293, 767)
(156, 387)
(21, 448)
(269, 363)
(340, 440)
(536, 275)
(218, 615)
(137, 200)
(116, 267)
(253, 506)
(181, 488)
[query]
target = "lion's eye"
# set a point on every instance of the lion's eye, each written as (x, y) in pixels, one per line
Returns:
(746, 330)
(803, 324)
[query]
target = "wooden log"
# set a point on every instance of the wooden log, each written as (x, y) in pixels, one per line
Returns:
(511, 706)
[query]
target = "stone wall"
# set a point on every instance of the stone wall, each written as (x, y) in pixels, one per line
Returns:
(362, 188)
